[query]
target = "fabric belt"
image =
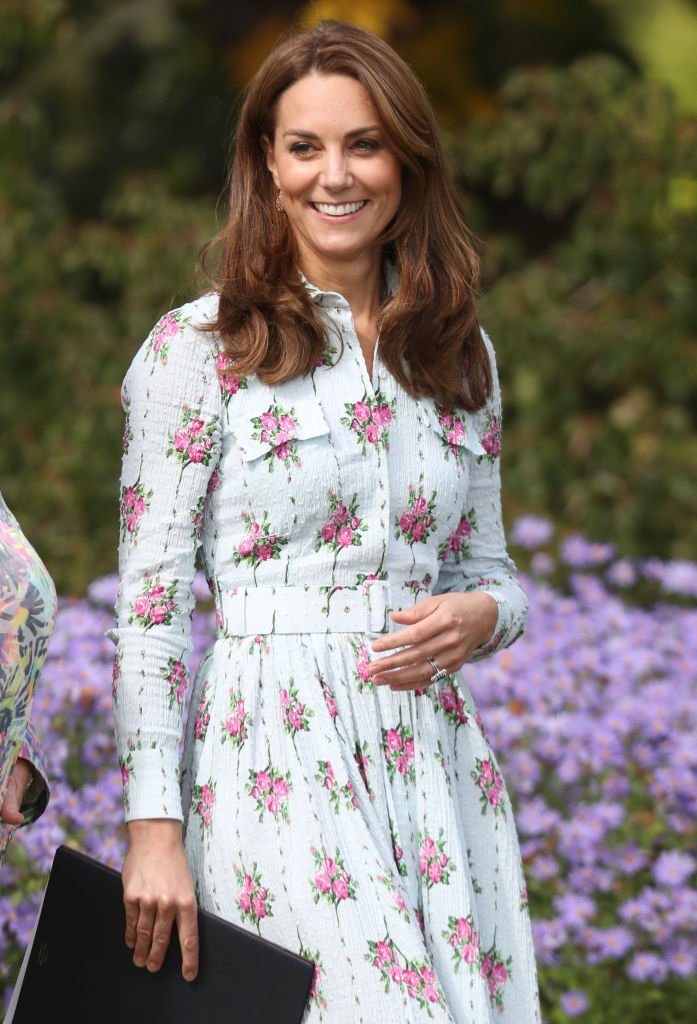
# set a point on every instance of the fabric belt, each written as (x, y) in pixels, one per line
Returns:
(250, 611)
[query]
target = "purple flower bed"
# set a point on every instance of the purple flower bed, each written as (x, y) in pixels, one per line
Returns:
(593, 715)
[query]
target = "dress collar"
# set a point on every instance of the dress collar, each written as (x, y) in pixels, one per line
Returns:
(334, 300)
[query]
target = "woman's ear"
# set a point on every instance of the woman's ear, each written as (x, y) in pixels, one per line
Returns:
(270, 158)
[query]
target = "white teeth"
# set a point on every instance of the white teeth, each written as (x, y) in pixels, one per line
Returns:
(339, 211)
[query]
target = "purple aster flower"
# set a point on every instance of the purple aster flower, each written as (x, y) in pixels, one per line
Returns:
(574, 1003)
(680, 577)
(612, 943)
(681, 958)
(574, 910)
(542, 564)
(672, 868)
(580, 553)
(622, 573)
(647, 967)
(102, 591)
(531, 531)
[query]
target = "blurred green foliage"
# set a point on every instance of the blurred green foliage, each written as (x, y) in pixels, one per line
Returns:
(585, 187)
(582, 182)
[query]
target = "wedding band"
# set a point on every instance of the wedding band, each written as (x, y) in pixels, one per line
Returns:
(439, 674)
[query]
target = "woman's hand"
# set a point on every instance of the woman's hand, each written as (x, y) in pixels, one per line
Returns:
(17, 785)
(157, 892)
(447, 628)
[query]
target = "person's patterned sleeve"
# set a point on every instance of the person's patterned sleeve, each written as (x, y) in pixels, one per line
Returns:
(475, 556)
(171, 396)
(37, 796)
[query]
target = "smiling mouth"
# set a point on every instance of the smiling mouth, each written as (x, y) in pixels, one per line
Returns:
(339, 209)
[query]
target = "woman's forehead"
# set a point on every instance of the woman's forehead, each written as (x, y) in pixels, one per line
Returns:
(326, 102)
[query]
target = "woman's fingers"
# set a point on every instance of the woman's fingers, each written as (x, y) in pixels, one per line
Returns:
(144, 930)
(187, 923)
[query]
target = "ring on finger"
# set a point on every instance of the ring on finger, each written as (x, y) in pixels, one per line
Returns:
(439, 674)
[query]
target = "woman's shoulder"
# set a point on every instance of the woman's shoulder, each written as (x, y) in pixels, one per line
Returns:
(180, 345)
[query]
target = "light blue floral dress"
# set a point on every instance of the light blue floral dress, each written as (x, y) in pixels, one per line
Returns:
(366, 829)
(27, 613)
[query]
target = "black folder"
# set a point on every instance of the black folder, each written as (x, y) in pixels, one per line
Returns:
(79, 969)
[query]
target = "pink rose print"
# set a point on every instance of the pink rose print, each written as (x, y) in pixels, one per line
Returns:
(177, 676)
(196, 515)
(364, 764)
(457, 545)
(328, 698)
(434, 864)
(417, 522)
(490, 784)
(415, 978)
(202, 804)
(332, 882)
(327, 356)
(420, 586)
(230, 382)
(398, 900)
(316, 991)
(258, 543)
(194, 441)
(127, 435)
(237, 722)
(453, 436)
(464, 941)
(115, 677)
(203, 714)
(361, 674)
(214, 482)
(496, 972)
(127, 771)
(452, 704)
(155, 605)
(270, 789)
(398, 748)
(339, 796)
(491, 441)
(398, 854)
(163, 333)
(135, 501)
(370, 420)
(295, 715)
(253, 899)
(278, 428)
(343, 526)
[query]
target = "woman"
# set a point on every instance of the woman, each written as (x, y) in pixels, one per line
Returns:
(338, 793)
(27, 612)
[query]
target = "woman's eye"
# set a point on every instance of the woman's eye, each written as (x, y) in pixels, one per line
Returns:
(301, 148)
(367, 144)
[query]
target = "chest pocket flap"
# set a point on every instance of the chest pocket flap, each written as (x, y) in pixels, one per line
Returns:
(271, 423)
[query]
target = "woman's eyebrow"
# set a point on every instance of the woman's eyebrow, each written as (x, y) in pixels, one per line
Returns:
(349, 135)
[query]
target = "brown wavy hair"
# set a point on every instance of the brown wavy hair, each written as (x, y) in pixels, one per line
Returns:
(429, 332)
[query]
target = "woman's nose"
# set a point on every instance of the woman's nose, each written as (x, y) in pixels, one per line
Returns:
(336, 171)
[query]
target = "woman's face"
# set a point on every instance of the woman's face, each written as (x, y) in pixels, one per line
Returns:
(340, 182)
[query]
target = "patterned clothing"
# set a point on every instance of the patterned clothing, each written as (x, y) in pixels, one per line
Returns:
(27, 612)
(367, 829)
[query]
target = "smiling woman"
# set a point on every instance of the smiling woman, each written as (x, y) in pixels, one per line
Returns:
(326, 426)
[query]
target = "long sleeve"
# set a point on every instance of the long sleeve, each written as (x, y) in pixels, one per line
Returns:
(37, 796)
(171, 396)
(475, 556)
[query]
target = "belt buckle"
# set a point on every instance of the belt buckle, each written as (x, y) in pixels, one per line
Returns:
(378, 607)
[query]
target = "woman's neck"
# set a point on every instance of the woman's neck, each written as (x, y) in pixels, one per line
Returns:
(360, 283)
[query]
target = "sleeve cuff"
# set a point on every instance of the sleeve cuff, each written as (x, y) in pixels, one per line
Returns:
(501, 628)
(151, 784)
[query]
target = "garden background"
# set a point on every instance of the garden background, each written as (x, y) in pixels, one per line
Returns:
(572, 129)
